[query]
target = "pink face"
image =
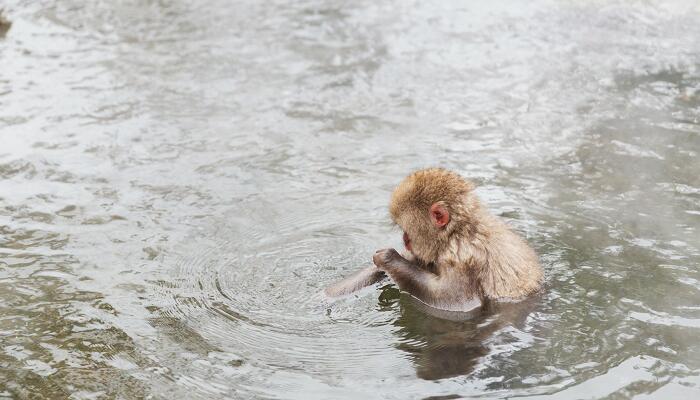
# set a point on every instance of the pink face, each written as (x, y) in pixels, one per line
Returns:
(438, 215)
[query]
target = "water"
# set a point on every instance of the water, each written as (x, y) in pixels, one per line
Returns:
(179, 180)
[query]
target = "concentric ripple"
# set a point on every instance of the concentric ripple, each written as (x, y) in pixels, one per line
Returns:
(268, 308)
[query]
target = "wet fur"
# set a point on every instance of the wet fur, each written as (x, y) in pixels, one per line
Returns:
(362, 278)
(475, 255)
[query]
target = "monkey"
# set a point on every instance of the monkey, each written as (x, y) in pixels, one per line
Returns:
(362, 278)
(461, 252)
(459, 255)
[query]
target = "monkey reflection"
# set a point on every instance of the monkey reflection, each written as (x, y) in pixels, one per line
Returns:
(446, 344)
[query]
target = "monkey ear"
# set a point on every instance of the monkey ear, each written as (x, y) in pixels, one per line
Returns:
(439, 215)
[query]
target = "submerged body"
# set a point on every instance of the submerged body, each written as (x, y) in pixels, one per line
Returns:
(460, 255)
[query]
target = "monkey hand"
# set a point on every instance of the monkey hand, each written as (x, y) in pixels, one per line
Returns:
(385, 258)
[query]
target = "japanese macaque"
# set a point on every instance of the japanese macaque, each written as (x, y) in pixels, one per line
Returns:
(459, 255)
(356, 281)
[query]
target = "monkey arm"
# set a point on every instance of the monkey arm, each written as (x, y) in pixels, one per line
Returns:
(409, 276)
(445, 290)
(358, 280)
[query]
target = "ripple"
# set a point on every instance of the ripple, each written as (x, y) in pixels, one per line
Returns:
(180, 180)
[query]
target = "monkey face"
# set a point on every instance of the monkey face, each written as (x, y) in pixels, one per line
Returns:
(419, 235)
(427, 206)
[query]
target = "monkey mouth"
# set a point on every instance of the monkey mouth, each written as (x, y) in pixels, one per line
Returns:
(407, 242)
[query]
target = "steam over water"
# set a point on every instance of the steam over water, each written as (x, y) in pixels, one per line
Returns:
(179, 180)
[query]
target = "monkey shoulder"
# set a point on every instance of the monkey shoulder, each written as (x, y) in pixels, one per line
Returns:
(513, 270)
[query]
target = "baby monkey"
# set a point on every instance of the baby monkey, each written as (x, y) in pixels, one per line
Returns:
(458, 254)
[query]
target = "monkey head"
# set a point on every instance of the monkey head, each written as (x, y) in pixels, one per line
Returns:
(431, 206)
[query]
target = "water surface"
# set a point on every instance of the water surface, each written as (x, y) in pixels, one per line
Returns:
(179, 180)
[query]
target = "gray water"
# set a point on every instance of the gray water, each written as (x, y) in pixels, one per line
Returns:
(179, 180)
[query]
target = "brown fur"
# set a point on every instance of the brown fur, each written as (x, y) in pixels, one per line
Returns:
(474, 256)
